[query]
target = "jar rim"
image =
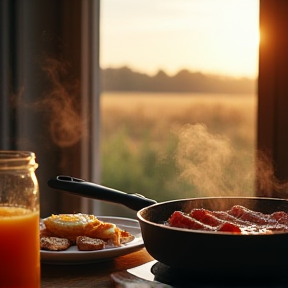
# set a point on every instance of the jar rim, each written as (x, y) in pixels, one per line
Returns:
(15, 154)
(16, 159)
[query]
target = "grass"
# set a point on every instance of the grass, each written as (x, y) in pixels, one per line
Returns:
(171, 146)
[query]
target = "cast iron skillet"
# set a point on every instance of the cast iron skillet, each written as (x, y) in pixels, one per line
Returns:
(217, 254)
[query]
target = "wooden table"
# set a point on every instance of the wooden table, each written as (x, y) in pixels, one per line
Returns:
(90, 275)
(98, 275)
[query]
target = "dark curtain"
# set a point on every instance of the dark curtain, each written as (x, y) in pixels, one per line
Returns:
(41, 90)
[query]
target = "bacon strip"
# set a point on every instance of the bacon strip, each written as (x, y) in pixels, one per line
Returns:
(280, 217)
(223, 215)
(276, 221)
(246, 214)
(229, 227)
(181, 220)
(206, 217)
(209, 218)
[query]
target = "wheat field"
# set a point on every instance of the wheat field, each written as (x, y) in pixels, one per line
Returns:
(232, 115)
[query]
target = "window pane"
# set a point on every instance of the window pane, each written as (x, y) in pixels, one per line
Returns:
(179, 97)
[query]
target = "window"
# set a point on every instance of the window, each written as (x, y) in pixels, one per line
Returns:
(179, 97)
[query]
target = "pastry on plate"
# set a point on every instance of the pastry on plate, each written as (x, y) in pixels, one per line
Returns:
(71, 226)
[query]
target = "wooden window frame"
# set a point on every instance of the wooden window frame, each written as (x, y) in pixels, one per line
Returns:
(272, 116)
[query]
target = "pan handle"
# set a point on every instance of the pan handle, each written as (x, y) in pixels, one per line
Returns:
(95, 191)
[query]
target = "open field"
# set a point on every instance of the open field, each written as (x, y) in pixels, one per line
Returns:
(168, 146)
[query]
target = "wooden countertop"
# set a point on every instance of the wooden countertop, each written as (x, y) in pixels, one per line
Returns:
(90, 275)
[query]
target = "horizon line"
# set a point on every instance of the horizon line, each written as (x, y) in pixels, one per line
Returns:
(137, 70)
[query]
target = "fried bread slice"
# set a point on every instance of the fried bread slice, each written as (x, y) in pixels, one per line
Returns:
(54, 243)
(85, 243)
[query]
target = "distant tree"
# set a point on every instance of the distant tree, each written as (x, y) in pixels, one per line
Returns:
(125, 79)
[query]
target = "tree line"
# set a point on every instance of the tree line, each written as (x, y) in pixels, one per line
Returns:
(125, 79)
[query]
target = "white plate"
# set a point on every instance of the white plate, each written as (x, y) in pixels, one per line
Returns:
(73, 256)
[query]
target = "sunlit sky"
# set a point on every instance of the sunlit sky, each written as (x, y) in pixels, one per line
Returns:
(211, 36)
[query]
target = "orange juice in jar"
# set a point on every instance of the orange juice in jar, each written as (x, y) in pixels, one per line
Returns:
(19, 221)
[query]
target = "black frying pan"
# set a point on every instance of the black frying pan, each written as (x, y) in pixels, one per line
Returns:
(215, 253)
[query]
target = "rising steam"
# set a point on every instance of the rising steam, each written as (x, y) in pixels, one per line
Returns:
(66, 125)
(215, 168)
(266, 181)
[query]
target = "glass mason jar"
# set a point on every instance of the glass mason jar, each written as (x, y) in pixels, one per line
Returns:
(19, 220)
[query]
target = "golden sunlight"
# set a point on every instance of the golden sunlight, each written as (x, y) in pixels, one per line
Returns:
(214, 36)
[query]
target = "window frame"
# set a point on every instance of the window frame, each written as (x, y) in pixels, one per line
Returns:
(272, 114)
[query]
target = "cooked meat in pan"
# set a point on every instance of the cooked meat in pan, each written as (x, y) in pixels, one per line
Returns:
(238, 219)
